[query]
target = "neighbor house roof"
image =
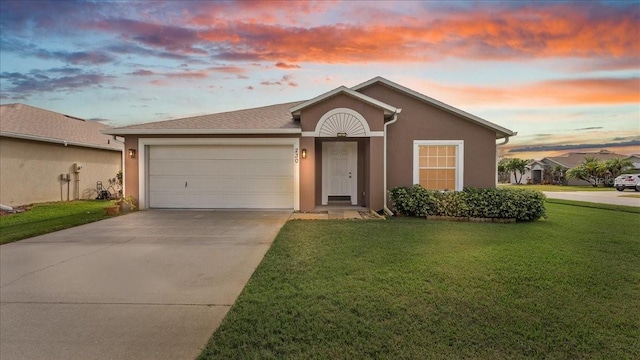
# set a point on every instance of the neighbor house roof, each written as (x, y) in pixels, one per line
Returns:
(388, 109)
(31, 123)
(501, 132)
(274, 119)
(571, 160)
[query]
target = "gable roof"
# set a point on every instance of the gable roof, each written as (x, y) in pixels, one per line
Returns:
(388, 109)
(571, 160)
(31, 123)
(273, 119)
(501, 132)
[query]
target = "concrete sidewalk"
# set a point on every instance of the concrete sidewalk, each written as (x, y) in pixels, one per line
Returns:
(148, 285)
(603, 197)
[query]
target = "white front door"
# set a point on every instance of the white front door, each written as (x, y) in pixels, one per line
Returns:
(340, 170)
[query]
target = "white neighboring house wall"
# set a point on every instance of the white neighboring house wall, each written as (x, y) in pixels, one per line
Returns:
(523, 179)
(30, 171)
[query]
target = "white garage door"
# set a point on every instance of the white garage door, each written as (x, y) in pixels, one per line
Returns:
(221, 176)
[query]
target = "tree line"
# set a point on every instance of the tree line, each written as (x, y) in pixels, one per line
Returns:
(592, 170)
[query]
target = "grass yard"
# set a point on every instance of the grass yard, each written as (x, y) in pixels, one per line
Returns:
(558, 188)
(49, 217)
(563, 288)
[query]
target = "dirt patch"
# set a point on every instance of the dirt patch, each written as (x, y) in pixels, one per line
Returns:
(368, 215)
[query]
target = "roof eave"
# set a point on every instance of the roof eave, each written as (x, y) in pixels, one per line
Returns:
(388, 109)
(122, 131)
(58, 141)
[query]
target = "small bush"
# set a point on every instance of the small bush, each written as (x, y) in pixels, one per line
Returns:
(502, 203)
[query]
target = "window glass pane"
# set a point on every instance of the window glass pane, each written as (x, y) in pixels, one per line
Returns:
(451, 161)
(437, 166)
(451, 150)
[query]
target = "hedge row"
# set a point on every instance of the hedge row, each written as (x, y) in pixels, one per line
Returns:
(500, 203)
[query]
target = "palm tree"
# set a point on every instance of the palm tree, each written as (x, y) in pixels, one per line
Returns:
(558, 174)
(617, 167)
(591, 170)
(517, 166)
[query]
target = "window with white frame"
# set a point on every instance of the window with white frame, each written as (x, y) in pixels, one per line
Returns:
(438, 164)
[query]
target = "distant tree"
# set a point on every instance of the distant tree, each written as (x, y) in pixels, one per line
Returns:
(590, 170)
(518, 167)
(503, 172)
(614, 168)
(558, 174)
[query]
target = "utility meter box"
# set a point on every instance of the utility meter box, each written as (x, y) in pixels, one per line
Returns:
(77, 167)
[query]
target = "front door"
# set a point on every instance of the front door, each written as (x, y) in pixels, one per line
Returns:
(340, 171)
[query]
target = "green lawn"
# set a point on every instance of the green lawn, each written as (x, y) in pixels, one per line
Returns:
(49, 217)
(557, 188)
(563, 288)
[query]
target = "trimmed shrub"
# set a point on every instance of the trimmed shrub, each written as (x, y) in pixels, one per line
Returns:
(500, 203)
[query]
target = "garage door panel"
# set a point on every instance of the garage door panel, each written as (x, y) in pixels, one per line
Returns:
(186, 185)
(206, 152)
(229, 176)
(218, 167)
(220, 201)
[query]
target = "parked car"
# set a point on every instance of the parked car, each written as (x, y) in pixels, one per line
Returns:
(627, 181)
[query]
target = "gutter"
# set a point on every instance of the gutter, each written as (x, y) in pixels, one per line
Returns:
(57, 141)
(122, 163)
(505, 142)
(384, 156)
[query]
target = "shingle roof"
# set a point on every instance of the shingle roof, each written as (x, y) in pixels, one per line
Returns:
(501, 132)
(571, 160)
(388, 109)
(266, 119)
(32, 123)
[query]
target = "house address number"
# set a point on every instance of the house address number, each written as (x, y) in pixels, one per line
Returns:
(296, 155)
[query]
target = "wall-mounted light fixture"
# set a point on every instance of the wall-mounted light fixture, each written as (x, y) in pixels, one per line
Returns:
(304, 153)
(132, 153)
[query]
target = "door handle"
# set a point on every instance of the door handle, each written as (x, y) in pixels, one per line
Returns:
(185, 184)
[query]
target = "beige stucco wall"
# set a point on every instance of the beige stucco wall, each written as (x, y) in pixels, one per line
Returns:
(30, 171)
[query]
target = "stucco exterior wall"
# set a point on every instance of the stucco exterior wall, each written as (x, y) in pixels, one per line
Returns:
(30, 171)
(422, 121)
(310, 116)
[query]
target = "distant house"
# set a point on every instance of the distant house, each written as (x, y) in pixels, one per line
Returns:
(571, 160)
(635, 160)
(38, 148)
(533, 173)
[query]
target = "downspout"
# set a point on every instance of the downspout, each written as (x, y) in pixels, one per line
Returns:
(122, 163)
(505, 142)
(384, 157)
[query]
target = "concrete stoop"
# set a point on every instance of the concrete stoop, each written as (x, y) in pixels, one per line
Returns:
(337, 214)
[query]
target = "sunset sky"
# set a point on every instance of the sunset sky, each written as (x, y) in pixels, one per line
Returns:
(564, 75)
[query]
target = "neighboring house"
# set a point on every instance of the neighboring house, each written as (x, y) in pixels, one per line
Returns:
(635, 160)
(534, 173)
(349, 144)
(571, 160)
(37, 146)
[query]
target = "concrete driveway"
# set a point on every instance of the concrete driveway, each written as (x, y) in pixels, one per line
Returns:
(149, 285)
(603, 197)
